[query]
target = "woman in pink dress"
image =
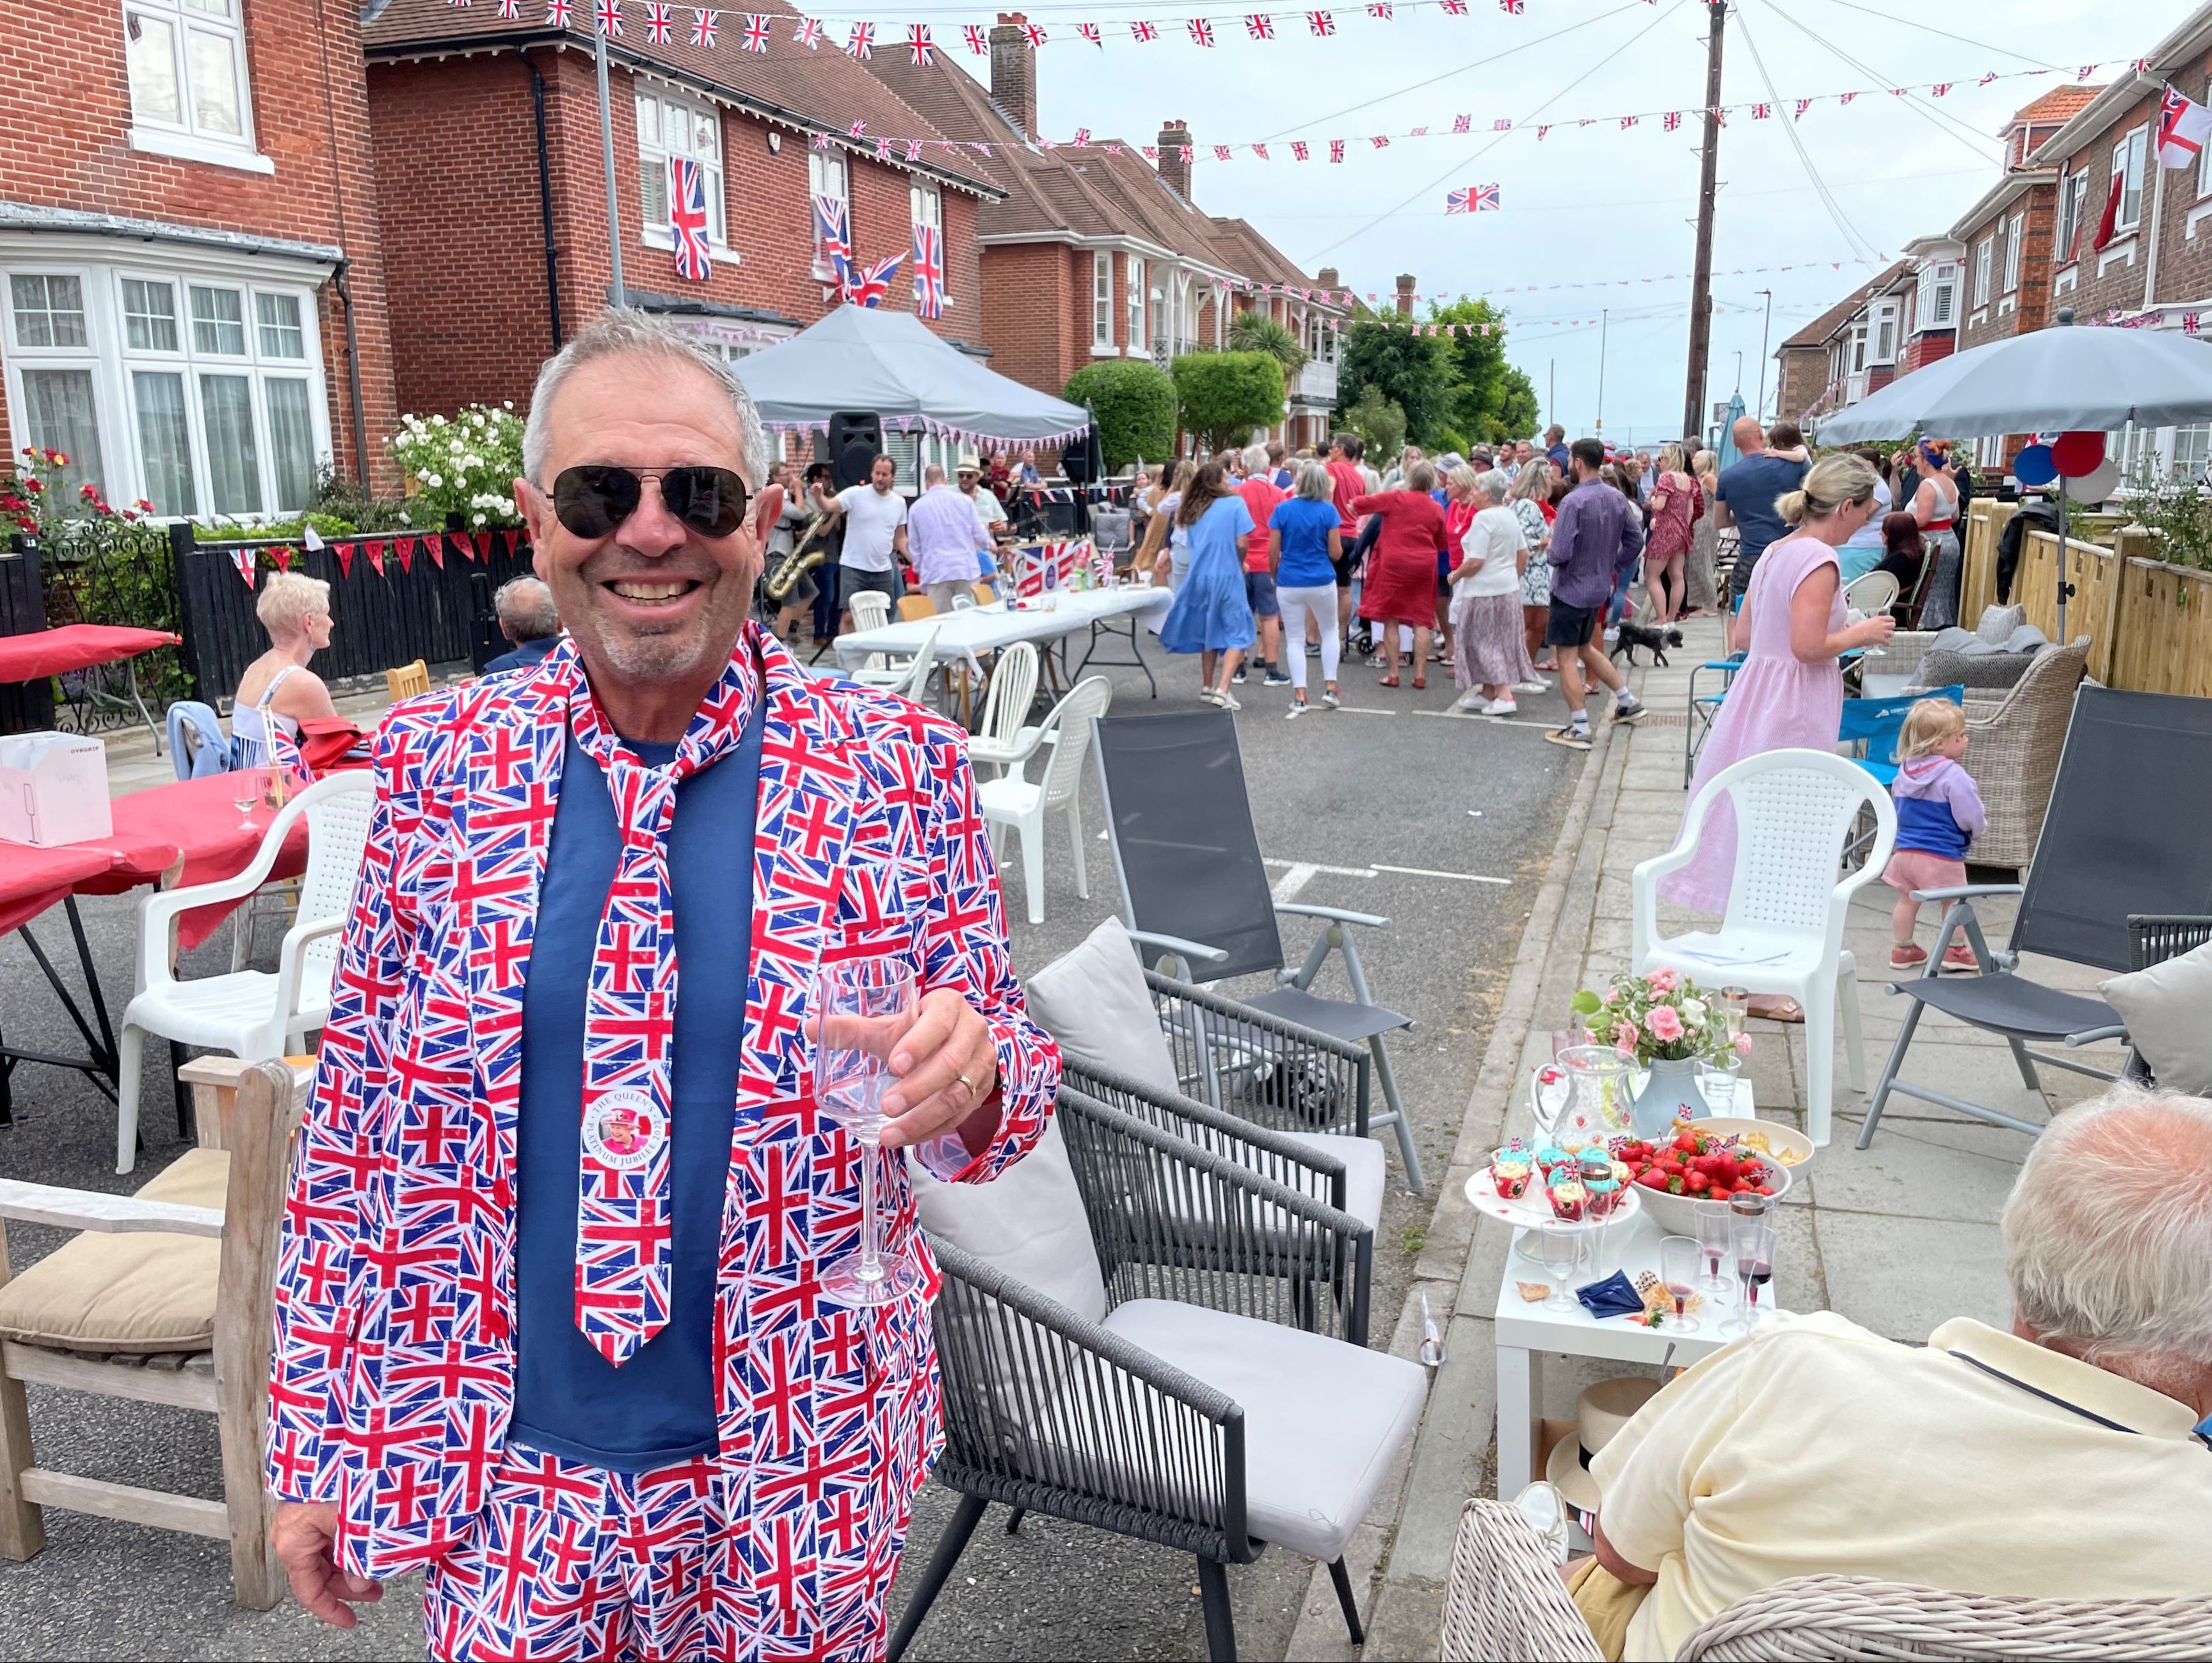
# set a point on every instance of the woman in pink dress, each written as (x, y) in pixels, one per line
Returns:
(1790, 693)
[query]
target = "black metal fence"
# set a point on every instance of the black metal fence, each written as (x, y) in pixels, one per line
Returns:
(394, 598)
(26, 707)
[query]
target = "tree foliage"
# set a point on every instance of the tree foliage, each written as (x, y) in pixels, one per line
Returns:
(1449, 387)
(1489, 399)
(1377, 419)
(1135, 404)
(1408, 370)
(1255, 331)
(1224, 395)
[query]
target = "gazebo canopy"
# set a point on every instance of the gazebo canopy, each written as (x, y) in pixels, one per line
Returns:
(861, 358)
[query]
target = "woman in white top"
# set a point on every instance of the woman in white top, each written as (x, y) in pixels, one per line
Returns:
(1488, 650)
(1936, 506)
(278, 691)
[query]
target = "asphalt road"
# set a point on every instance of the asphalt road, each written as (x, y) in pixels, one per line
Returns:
(1388, 783)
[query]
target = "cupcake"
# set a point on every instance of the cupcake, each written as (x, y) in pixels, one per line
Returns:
(1569, 1200)
(1509, 1171)
(1604, 1195)
(1551, 1158)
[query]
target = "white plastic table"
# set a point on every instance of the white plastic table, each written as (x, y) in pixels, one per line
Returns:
(963, 636)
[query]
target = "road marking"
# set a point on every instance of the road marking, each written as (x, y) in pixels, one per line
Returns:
(1535, 726)
(1462, 877)
(1297, 875)
(1364, 710)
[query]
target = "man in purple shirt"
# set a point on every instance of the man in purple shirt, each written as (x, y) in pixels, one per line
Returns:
(1597, 535)
(947, 538)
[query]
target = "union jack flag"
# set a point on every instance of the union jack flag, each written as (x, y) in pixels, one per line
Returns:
(1090, 32)
(1502, 125)
(821, 141)
(1299, 150)
(757, 27)
(609, 19)
(1626, 122)
(1336, 150)
(1201, 32)
(1379, 9)
(914, 149)
(1803, 105)
(1082, 137)
(2188, 323)
(510, 9)
(660, 28)
(1321, 23)
(556, 13)
(830, 230)
(1452, 7)
(1512, 7)
(1671, 120)
(861, 43)
(1463, 122)
(1474, 199)
(917, 39)
(1034, 34)
(808, 34)
(1260, 26)
(1760, 112)
(868, 287)
(856, 130)
(976, 40)
(883, 149)
(687, 218)
(1260, 151)
(1141, 31)
(1221, 153)
(929, 270)
(705, 25)
(1986, 79)
(1939, 89)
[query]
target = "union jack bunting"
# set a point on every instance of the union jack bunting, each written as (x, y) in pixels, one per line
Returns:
(861, 42)
(1760, 112)
(707, 25)
(2188, 323)
(463, 4)
(1090, 32)
(557, 12)
(1151, 152)
(1221, 153)
(1260, 26)
(1846, 98)
(917, 42)
(808, 34)
(830, 230)
(1201, 32)
(687, 218)
(928, 272)
(1141, 31)
(1512, 7)
(1671, 120)
(756, 28)
(1626, 122)
(856, 130)
(1034, 34)
(1336, 150)
(976, 39)
(914, 149)
(883, 149)
(1379, 9)
(609, 19)
(1452, 7)
(1986, 79)
(1082, 137)
(1299, 151)
(1379, 141)
(393, 1360)
(659, 28)
(1260, 151)
(1474, 199)
(510, 9)
(1503, 124)
(868, 287)
(821, 141)
(1461, 122)
(1939, 89)
(1420, 132)
(1803, 105)
(1320, 22)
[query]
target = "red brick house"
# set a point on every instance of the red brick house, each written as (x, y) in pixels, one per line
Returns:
(1099, 250)
(189, 255)
(488, 168)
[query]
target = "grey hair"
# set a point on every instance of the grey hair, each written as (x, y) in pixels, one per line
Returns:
(1493, 484)
(1312, 482)
(287, 601)
(623, 332)
(2108, 1235)
(933, 475)
(526, 610)
(1255, 458)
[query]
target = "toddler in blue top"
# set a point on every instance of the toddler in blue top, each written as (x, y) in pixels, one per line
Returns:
(1939, 813)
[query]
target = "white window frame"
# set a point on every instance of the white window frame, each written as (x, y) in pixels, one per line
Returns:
(828, 174)
(655, 156)
(2189, 447)
(111, 361)
(2015, 238)
(925, 206)
(1102, 304)
(1138, 342)
(1882, 340)
(183, 138)
(1858, 348)
(2129, 156)
(2205, 160)
(2072, 192)
(1984, 267)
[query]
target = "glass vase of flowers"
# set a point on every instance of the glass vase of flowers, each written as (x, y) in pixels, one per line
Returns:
(1668, 1024)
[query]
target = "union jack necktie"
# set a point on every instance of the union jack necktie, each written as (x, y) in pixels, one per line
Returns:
(623, 1229)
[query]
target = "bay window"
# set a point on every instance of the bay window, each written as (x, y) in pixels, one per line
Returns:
(670, 125)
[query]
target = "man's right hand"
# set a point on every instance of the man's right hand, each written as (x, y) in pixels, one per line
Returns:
(305, 1536)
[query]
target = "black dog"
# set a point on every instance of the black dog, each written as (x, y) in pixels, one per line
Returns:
(1658, 640)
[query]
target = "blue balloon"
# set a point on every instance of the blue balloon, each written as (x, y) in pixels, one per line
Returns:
(2035, 465)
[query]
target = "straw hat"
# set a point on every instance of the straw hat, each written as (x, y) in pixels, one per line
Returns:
(1600, 1413)
(969, 463)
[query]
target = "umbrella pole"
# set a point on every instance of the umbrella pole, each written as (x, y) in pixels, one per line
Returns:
(2064, 587)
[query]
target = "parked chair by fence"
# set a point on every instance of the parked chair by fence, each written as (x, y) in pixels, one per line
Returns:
(407, 680)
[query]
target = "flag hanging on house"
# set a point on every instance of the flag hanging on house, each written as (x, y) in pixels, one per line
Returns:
(868, 287)
(2184, 125)
(831, 225)
(687, 218)
(2109, 220)
(1474, 199)
(929, 270)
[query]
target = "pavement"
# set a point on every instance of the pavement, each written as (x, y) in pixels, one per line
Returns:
(1449, 825)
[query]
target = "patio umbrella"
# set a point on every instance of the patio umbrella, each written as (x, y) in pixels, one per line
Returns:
(2061, 380)
(1729, 452)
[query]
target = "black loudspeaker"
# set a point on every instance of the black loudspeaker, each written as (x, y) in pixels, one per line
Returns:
(856, 439)
(1081, 461)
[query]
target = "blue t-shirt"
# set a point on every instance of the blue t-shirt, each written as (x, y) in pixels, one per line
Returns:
(1749, 488)
(1214, 536)
(1305, 525)
(659, 1406)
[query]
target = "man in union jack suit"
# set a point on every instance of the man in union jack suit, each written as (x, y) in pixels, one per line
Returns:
(551, 1317)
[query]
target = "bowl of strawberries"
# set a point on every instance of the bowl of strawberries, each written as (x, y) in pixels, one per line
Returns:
(1709, 1160)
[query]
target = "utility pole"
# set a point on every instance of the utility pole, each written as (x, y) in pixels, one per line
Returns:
(1603, 313)
(607, 161)
(1701, 284)
(1764, 331)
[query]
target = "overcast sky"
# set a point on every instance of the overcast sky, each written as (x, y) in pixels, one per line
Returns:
(1585, 205)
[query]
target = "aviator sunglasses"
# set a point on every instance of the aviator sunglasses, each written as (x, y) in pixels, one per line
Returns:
(593, 499)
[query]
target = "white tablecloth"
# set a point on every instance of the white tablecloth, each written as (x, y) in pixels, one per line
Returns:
(963, 635)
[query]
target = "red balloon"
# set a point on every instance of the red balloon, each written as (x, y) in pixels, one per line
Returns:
(2077, 454)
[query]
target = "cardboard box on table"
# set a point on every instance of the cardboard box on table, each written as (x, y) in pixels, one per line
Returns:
(53, 789)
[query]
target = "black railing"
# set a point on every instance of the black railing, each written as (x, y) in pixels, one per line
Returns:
(431, 599)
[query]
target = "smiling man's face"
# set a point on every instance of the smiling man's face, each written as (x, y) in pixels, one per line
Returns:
(653, 601)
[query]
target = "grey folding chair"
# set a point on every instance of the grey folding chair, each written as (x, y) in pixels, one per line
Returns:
(1193, 886)
(2124, 838)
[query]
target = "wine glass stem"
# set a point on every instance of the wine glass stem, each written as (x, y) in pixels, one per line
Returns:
(872, 1246)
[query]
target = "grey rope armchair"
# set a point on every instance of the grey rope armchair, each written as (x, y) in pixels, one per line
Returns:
(1263, 1068)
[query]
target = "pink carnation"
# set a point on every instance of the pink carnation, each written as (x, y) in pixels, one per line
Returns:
(1624, 1035)
(1743, 1045)
(1665, 1023)
(1661, 981)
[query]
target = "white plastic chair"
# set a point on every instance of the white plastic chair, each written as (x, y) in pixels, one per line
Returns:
(871, 609)
(1006, 736)
(907, 676)
(1872, 594)
(1784, 931)
(249, 1014)
(1015, 800)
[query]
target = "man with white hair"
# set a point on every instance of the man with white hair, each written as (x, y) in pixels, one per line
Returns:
(529, 620)
(560, 1315)
(2062, 1459)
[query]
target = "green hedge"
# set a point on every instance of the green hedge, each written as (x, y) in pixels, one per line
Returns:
(1135, 403)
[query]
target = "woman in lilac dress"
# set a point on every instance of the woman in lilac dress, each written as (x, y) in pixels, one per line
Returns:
(1790, 693)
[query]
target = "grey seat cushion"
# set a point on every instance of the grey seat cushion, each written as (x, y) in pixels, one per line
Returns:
(1944, 667)
(2008, 1004)
(1322, 1419)
(1364, 1176)
(2165, 1008)
(1028, 1221)
(1094, 1002)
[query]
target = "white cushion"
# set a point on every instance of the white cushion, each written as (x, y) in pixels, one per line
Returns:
(2164, 1007)
(1362, 1171)
(1094, 1001)
(1027, 1221)
(1322, 1419)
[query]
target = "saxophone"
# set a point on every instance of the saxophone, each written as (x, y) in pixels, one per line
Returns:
(810, 550)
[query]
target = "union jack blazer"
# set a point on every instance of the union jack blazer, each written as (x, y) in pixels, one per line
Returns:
(393, 1368)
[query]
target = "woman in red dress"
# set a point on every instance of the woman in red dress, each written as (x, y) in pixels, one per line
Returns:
(1400, 585)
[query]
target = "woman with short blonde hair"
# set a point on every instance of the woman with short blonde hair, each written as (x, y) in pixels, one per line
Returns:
(278, 691)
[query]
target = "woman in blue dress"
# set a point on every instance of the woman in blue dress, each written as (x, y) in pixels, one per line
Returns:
(1211, 614)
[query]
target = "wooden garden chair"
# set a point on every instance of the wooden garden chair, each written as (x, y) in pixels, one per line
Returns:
(407, 680)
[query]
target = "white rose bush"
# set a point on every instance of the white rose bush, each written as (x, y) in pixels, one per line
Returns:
(464, 464)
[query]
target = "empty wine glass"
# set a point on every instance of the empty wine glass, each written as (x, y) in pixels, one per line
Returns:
(1558, 1250)
(1678, 1273)
(1717, 1078)
(1753, 1243)
(245, 788)
(862, 1008)
(1712, 1226)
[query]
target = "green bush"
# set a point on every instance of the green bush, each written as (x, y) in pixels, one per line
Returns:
(1224, 395)
(1134, 403)
(1377, 419)
(1255, 331)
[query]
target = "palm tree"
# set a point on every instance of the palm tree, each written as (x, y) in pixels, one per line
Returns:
(1255, 331)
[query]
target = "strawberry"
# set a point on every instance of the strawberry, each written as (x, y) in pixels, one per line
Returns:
(1698, 1183)
(1675, 1185)
(1686, 1143)
(1720, 1191)
(1766, 1189)
(1651, 1178)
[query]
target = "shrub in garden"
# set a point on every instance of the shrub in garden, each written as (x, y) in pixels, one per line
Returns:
(1135, 403)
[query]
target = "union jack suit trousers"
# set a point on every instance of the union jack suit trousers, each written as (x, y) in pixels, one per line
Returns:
(393, 1370)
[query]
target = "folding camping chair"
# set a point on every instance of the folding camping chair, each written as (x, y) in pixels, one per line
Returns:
(2122, 837)
(1193, 886)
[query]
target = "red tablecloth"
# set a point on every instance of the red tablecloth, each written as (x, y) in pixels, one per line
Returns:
(194, 821)
(74, 647)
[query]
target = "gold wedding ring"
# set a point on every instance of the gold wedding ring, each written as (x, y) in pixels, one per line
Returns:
(966, 1082)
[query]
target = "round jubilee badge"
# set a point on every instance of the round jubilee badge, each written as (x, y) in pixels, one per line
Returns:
(623, 1130)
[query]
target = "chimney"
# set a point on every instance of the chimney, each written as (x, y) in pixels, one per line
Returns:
(1175, 157)
(1404, 293)
(1327, 278)
(1013, 72)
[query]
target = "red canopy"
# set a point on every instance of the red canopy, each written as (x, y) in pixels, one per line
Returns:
(74, 647)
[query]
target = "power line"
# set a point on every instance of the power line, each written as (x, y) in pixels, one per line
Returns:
(1948, 126)
(1929, 28)
(1851, 233)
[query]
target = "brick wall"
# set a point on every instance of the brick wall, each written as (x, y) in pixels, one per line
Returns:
(2185, 262)
(1036, 311)
(2022, 309)
(1924, 349)
(1804, 374)
(65, 93)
